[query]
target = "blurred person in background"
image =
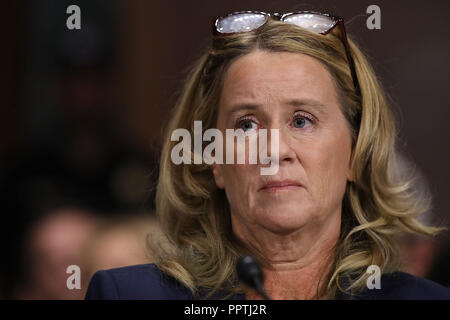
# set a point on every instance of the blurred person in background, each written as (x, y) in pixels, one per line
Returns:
(440, 269)
(418, 253)
(74, 147)
(119, 242)
(53, 243)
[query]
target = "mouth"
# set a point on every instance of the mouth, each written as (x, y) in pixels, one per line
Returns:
(281, 185)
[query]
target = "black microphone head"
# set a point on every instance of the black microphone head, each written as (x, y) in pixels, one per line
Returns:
(249, 271)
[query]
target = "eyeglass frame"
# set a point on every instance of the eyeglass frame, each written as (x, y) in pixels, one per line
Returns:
(337, 21)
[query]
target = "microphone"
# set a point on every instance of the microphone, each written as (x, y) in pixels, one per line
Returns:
(250, 272)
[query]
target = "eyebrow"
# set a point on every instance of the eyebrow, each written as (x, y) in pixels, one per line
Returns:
(293, 102)
(304, 102)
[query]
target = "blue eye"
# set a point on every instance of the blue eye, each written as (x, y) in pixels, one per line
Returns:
(300, 122)
(247, 124)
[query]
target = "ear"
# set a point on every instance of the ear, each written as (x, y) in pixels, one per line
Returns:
(218, 176)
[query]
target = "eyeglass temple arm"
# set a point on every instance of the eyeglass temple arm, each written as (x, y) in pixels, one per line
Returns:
(349, 58)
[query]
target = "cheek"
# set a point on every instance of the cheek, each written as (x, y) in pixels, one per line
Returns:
(239, 182)
(327, 166)
(238, 176)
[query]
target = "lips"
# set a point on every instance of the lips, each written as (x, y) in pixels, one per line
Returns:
(280, 185)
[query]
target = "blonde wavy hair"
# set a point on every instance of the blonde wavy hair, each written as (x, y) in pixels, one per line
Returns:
(379, 205)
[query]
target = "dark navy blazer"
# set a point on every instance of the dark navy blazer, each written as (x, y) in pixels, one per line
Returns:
(146, 281)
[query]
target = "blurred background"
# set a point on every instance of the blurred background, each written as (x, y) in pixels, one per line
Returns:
(82, 112)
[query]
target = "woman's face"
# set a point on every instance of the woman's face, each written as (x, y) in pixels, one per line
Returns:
(295, 94)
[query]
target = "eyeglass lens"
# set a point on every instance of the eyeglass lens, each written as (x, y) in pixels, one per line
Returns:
(243, 22)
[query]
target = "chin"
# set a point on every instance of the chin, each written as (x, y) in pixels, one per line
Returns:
(283, 220)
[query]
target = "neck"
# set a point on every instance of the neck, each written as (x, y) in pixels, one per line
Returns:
(296, 263)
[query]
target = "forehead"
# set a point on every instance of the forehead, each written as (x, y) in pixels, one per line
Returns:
(263, 74)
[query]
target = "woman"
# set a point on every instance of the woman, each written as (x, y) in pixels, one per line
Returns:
(334, 207)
